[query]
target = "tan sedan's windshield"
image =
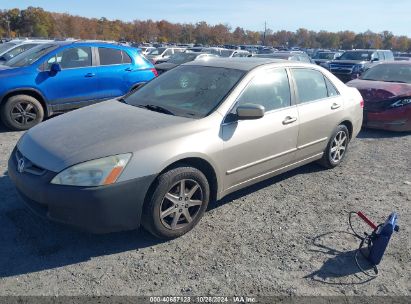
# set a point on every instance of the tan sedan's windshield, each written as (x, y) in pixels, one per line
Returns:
(190, 91)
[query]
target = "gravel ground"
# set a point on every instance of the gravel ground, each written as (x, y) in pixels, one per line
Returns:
(285, 236)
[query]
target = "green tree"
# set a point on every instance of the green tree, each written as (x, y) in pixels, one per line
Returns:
(34, 21)
(388, 39)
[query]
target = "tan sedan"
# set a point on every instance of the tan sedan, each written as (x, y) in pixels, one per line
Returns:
(194, 134)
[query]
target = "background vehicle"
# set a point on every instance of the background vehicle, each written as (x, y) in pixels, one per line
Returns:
(162, 153)
(145, 50)
(291, 55)
(4, 47)
(60, 76)
(267, 50)
(162, 54)
(323, 57)
(194, 49)
(226, 52)
(386, 89)
(402, 56)
(180, 58)
(19, 47)
(352, 63)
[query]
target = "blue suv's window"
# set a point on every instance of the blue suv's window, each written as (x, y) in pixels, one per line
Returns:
(77, 57)
(126, 57)
(18, 50)
(109, 56)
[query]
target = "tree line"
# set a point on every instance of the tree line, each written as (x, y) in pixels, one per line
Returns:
(36, 22)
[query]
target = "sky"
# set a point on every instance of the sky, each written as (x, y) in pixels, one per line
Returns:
(329, 15)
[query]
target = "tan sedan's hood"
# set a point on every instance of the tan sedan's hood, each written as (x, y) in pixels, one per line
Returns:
(104, 129)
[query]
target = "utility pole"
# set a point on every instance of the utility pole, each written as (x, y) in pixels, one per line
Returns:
(265, 31)
(8, 27)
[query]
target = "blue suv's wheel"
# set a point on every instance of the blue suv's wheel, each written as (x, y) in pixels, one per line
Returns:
(21, 112)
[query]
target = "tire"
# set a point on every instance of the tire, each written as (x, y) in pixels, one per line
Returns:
(337, 148)
(166, 196)
(21, 112)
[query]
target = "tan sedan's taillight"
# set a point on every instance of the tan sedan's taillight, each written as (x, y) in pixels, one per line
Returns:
(154, 72)
(362, 103)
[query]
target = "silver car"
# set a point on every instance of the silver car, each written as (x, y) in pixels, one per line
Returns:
(162, 54)
(193, 135)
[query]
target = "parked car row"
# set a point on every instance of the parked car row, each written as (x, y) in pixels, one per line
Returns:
(161, 147)
(104, 71)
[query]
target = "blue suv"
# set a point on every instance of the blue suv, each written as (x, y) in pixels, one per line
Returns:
(60, 76)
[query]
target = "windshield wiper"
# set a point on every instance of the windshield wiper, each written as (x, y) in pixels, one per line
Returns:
(156, 108)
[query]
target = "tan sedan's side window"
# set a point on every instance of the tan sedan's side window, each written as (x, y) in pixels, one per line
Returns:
(332, 91)
(310, 85)
(270, 89)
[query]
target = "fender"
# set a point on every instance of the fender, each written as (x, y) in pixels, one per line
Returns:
(47, 108)
(204, 158)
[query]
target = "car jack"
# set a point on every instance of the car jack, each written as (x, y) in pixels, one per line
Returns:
(376, 243)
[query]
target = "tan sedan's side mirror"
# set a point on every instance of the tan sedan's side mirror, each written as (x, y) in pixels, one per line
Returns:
(250, 111)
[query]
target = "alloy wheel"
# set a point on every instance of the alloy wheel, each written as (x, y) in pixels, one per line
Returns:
(181, 204)
(339, 146)
(23, 113)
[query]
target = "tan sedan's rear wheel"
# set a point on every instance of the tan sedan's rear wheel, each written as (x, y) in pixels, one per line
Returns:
(337, 147)
(177, 203)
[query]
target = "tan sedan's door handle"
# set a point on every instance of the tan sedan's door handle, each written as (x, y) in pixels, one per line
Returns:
(289, 120)
(335, 106)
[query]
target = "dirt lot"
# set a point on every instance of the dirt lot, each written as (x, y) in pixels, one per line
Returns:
(285, 236)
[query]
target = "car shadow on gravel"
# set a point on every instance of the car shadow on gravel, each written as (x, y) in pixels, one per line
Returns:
(340, 267)
(373, 133)
(3, 129)
(29, 243)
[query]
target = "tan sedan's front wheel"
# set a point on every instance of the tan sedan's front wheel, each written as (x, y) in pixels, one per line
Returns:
(177, 203)
(337, 147)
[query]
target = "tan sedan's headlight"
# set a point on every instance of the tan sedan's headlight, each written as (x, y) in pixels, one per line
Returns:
(98, 172)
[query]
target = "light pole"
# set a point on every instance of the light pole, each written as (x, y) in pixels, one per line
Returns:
(8, 27)
(265, 31)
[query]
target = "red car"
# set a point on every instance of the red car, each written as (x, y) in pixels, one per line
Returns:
(386, 89)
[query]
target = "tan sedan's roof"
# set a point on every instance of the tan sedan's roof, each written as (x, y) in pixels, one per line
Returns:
(241, 63)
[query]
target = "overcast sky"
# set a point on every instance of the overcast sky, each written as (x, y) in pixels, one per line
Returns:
(330, 15)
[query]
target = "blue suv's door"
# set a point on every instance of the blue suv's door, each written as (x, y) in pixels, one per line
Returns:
(76, 84)
(115, 65)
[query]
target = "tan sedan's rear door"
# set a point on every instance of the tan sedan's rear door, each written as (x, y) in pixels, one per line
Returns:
(320, 110)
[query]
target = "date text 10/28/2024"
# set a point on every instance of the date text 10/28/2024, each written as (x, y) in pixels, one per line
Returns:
(196, 299)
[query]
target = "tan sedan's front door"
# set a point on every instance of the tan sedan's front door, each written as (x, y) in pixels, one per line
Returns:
(255, 148)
